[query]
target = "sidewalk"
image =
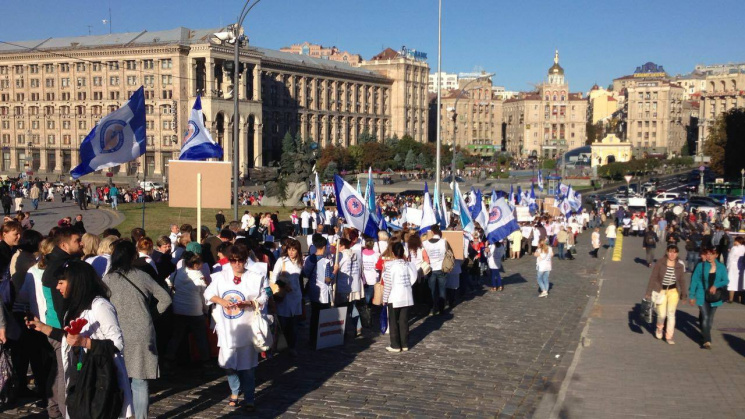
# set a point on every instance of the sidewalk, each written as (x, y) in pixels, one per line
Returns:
(49, 213)
(620, 370)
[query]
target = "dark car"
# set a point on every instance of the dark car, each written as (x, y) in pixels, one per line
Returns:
(703, 201)
(450, 179)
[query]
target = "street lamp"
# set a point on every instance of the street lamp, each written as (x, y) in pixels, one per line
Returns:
(455, 112)
(742, 184)
(235, 37)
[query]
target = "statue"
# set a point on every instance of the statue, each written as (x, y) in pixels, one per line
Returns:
(295, 169)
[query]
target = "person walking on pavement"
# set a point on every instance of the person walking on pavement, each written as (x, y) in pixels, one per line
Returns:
(649, 242)
(561, 238)
(707, 276)
(34, 194)
(114, 195)
(733, 269)
(665, 288)
(543, 255)
(434, 253)
(610, 234)
(219, 220)
(595, 242)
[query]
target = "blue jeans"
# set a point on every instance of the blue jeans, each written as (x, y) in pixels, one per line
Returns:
(114, 202)
(692, 258)
(437, 282)
(543, 280)
(140, 398)
(496, 278)
(242, 380)
(611, 242)
(707, 319)
(561, 250)
(35, 203)
(369, 291)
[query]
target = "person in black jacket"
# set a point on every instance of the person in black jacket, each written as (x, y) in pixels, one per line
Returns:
(67, 246)
(219, 220)
(649, 242)
(6, 201)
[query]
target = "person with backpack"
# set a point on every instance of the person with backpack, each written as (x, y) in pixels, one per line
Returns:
(649, 243)
(434, 253)
(95, 387)
(693, 247)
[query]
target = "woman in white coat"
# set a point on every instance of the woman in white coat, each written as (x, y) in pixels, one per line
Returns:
(289, 299)
(240, 294)
(733, 267)
(398, 276)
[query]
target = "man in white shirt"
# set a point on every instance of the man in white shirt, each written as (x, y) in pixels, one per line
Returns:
(245, 220)
(610, 234)
(305, 221)
(174, 237)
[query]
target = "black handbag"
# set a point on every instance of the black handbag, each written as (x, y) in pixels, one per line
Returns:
(720, 294)
(647, 308)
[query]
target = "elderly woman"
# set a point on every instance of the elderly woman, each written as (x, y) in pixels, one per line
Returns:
(239, 293)
(131, 293)
(667, 282)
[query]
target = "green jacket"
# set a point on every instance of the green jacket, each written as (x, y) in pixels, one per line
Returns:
(700, 282)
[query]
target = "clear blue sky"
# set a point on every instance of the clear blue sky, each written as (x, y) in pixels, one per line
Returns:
(598, 39)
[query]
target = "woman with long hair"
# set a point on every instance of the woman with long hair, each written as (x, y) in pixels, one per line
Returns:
(543, 255)
(289, 299)
(398, 275)
(86, 297)
(667, 282)
(239, 293)
(90, 244)
(102, 261)
(707, 277)
(131, 293)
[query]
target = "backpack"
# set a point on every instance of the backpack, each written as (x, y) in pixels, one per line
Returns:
(8, 382)
(95, 391)
(449, 262)
(649, 240)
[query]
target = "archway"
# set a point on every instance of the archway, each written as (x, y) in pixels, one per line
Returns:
(611, 159)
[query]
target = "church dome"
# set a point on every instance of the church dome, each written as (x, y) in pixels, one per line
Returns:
(556, 68)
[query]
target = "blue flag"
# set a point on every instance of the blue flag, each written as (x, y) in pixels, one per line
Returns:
(319, 200)
(501, 221)
(353, 209)
(519, 195)
(478, 214)
(459, 207)
(198, 143)
(428, 214)
(540, 180)
(532, 206)
(117, 139)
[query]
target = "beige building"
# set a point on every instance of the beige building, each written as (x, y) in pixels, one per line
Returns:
(479, 118)
(547, 122)
(692, 84)
(609, 150)
(723, 92)
(408, 94)
(603, 104)
(656, 123)
(326, 53)
(54, 91)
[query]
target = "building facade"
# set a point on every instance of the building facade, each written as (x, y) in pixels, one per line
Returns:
(548, 122)
(325, 53)
(724, 92)
(478, 112)
(409, 105)
(54, 91)
(447, 81)
(602, 104)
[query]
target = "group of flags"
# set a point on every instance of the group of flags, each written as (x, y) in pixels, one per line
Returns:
(567, 200)
(120, 137)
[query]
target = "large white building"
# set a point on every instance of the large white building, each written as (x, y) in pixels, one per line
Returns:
(448, 81)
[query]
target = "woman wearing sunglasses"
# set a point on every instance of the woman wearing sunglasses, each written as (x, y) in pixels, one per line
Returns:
(239, 291)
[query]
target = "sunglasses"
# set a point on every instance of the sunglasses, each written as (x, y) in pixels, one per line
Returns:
(233, 260)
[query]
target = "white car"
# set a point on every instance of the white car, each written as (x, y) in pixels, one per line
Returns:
(660, 198)
(149, 186)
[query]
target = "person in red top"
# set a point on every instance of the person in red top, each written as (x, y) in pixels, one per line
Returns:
(475, 258)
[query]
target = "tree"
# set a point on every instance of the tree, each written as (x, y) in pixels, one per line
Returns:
(725, 143)
(421, 161)
(365, 137)
(289, 150)
(392, 142)
(331, 170)
(716, 143)
(397, 161)
(374, 154)
(410, 162)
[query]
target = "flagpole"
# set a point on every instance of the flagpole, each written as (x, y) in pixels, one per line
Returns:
(439, 95)
(144, 173)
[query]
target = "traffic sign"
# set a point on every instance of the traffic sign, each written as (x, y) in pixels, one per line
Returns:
(701, 168)
(628, 178)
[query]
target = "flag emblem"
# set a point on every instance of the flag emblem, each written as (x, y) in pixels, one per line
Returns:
(495, 215)
(191, 131)
(112, 136)
(354, 206)
(233, 296)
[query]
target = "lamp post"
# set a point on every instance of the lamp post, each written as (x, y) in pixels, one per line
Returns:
(455, 113)
(439, 98)
(742, 183)
(237, 38)
(701, 186)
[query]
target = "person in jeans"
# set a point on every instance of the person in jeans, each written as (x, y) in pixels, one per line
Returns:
(707, 276)
(398, 275)
(114, 195)
(434, 253)
(543, 255)
(561, 238)
(649, 242)
(667, 280)
(319, 271)
(610, 234)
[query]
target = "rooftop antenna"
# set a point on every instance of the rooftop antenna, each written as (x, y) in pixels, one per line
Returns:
(89, 29)
(105, 21)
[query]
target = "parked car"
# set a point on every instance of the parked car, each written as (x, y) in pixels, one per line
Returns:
(676, 201)
(149, 186)
(695, 201)
(664, 197)
(721, 198)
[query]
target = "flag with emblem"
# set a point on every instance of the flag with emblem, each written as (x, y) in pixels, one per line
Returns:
(501, 222)
(428, 213)
(117, 139)
(197, 143)
(352, 207)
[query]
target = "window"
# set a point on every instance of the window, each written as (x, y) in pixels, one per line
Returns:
(149, 80)
(33, 69)
(149, 94)
(166, 124)
(64, 110)
(66, 124)
(6, 138)
(82, 125)
(131, 80)
(21, 139)
(166, 64)
(96, 66)
(166, 109)
(81, 81)
(66, 139)
(113, 65)
(49, 82)
(19, 97)
(149, 109)
(49, 68)
(34, 124)
(50, 139)
(33, 110)
(149, 124)
(50, 96)
(114, 81)
(18, 69)
(167, 94)
(113, 95)
(79, 66)
(131, 64)
(19, 83)
(97, 95)
(4, 97)
(97, 81)
(4, 69)
(95, 110)
(148, 64)
(50, 124)
(167, 141)
(4, 84)
(34, 83)
(35, 97)
(65, 95)
(166, 79)
(80, 110)
(65, 81)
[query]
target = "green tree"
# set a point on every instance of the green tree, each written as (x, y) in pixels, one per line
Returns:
(421, 161)
(716, 143)
(392, 142)
(397, 161)
(331, 170)
(410, 161)
(725, 143)
(365, 137)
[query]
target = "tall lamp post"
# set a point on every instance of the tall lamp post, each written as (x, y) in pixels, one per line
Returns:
(455, 113)
(237, 38)
(742, 184)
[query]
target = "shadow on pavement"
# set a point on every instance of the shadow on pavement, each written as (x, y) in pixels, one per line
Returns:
(640, 261)
(515, 278)
(736, 343)
(636, 324)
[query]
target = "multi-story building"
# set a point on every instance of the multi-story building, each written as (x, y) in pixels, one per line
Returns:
(447, 81)
(602, 104)
(54, 91)
(692, 84)
(720, 69)
(326, 53)
(724, 91)
(408, 94)
(547, 122)
(478, 111)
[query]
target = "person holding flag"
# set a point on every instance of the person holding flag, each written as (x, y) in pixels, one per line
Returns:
(197, 143)
(352, 207)
(118, 138)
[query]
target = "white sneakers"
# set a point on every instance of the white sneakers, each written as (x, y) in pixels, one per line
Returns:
(543, 294)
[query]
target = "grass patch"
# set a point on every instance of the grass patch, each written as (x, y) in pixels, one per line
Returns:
(159, 216)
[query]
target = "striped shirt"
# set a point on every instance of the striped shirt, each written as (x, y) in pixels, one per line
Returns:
(669, 276)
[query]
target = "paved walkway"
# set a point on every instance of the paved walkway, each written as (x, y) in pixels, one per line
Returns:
(493, 354)
(49, 213)
(622, 371)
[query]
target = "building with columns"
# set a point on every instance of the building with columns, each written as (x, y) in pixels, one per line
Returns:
(547, 122)
(54, 91)
(724, 92)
